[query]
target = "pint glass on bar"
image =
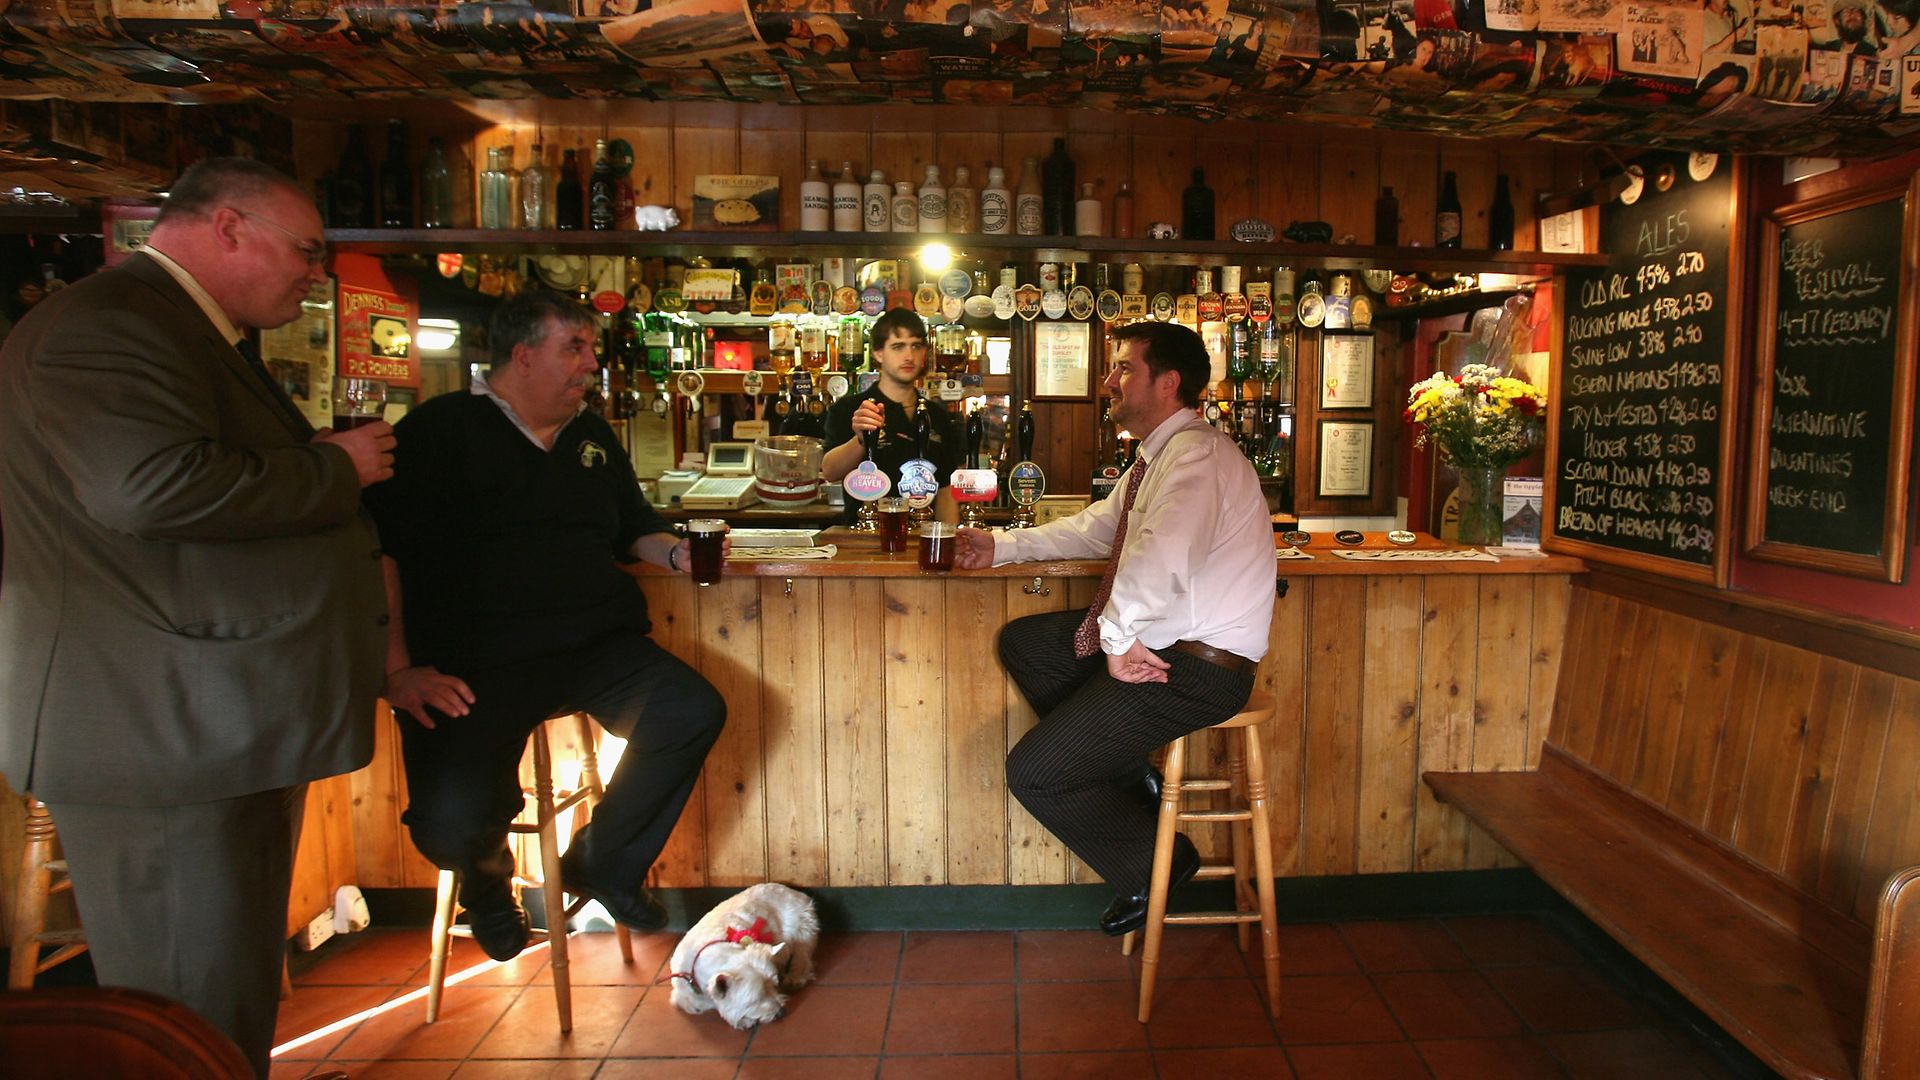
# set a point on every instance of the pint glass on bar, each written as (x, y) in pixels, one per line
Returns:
(937, 545)
(704, 536)
(357, 402)
(892, 513)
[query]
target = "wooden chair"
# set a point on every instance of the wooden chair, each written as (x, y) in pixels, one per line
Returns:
(88, 1031)
(1252, 887)
(41, 876)
(548, 806)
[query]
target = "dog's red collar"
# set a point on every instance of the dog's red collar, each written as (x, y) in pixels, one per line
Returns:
(755, 934)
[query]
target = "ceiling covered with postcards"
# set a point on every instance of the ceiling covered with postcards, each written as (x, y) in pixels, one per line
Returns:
(1829, 77)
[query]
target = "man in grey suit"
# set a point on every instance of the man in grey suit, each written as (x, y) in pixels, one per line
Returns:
(192, 601)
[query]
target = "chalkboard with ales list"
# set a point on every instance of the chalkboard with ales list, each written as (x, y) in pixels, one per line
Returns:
(1827, 479)
(1637, 436)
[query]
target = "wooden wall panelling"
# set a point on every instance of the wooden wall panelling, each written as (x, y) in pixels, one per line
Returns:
(1813, 786)
(652, 175)
(1500, 692)
(1349, 183)
(1624, 693)
(1784, 724)
(1736, 743)
(1335, 704)
(1233, 172)
(973, 149)
(323, 859)
(976, 743)
(904, 155)
(1447, 689)
(1710, 672)
(1473, 170)
(1162, 169)
(1409, 167)
(1389, 734)
(1893, 832)
(833, 147)
(1289, 178)
(1652, 767)
(672, 604)
(793, 660)
(1836, 880)
(916, 733)
(1017, 147)
(730, 657)
(778, 149)
(1530, 171)
(377, 794)
(1283, 674)
(856, 735)
(1576, 710)
(699, 151)
(1034, 855)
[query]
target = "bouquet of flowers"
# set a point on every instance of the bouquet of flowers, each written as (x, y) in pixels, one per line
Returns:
(1479, 418)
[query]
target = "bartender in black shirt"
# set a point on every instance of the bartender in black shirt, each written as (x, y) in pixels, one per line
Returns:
(889, 408)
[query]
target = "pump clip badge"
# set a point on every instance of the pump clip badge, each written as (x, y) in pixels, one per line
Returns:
(918, 482)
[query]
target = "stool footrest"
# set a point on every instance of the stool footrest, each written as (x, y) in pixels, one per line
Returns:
(1216, 815)
(1213, 918)
(1214, 870)
(1204, 784)
(75, 936)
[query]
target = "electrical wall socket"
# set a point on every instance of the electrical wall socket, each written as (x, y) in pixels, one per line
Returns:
(315, 934)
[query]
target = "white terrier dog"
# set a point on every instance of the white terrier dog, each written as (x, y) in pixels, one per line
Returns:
(741, 955)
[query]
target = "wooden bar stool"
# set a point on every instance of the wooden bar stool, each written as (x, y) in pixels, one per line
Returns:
(41, 875)
(1252, 891)
(548, 806)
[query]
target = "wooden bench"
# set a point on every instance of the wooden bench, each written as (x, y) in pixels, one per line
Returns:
(1734, 796)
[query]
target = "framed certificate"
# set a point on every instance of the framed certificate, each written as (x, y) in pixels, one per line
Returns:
(1346, 371)
(1346, 458)
(1062, 360)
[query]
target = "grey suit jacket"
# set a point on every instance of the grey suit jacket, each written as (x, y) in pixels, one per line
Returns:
(191, 604)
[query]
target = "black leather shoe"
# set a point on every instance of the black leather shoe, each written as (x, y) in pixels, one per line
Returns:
(1129, 913)
(500, 931)
(1149, 788)
(638, 910)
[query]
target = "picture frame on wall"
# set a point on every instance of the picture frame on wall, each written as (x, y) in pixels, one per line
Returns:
(1346, 371)
(1062, 361)
(1346, 459)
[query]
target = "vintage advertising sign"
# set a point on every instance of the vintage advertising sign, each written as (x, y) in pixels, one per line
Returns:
(376, 336)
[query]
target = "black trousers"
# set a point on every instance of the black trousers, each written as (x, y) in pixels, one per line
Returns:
(463, 774)
(190, 902)
(1076, 772)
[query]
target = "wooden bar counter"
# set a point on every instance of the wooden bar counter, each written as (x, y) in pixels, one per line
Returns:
(869, 719)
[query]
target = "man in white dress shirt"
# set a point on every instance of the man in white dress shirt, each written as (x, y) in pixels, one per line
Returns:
(1170, 643)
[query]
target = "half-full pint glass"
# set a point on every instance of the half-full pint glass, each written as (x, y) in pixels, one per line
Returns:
(937, 544)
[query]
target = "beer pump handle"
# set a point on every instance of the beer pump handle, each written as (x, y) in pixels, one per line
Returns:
(976, 434)
(1025, 431)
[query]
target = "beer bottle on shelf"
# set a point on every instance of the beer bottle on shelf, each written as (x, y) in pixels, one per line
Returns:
(353, 184)
(933, 202)
(436, 187)
(1196, 209)
(1057, 189)
(567, 194)
(846, 200)
(1446, 214)
(508, 190)
(1500, 216)
(1029, 210)
(490, 179)
(1386, 218)
(996, 204)
(816, 200)
(600, 194)
(961, 202)
(396, 180)
(536, 205)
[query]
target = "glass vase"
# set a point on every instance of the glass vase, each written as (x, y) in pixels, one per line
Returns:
(1481, 498)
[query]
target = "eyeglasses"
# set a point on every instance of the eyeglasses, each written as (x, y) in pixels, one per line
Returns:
(314, 253)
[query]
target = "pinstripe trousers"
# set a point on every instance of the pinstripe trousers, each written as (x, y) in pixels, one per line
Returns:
(1078, 771)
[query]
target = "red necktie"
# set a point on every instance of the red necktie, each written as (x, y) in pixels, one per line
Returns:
(1086, 640)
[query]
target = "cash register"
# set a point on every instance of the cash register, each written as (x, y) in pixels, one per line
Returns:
(728, 482)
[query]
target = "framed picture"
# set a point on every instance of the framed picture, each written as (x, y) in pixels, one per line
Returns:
(1055, 507)
(1062, 361)
(1346, 459)
(1346, 371)
(1828, 473)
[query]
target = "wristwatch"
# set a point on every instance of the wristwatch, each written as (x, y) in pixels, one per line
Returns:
(673, 558)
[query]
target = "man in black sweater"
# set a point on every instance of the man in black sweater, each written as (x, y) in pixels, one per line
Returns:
(502, 526)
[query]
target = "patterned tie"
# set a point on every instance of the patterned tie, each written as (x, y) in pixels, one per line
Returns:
(1086, 640)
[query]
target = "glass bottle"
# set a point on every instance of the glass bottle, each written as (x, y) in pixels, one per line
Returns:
(996, 204)
(353, 184)
(1386, 218)
(1028, 208)
(508, 190)
(961, 202)
(600, 195)
(567, 194)
(536, 205)
(876, 203)
(933, 202)
(1500, 216)
(1446, 215)
(1123, 211)
(436, 187)
(1056, 191)
(396, 180)
(1196, 209)
(490, 190)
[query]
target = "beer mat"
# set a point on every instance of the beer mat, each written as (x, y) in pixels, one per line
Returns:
(1290, 553)
(782, 554)
(1420, 555)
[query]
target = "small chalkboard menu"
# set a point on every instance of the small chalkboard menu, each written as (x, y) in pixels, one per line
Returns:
(1638, 437)
(1827, 477)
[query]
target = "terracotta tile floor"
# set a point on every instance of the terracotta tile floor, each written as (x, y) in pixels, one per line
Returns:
(1485, 998)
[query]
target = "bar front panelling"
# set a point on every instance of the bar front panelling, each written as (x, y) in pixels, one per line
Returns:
(869, 720)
